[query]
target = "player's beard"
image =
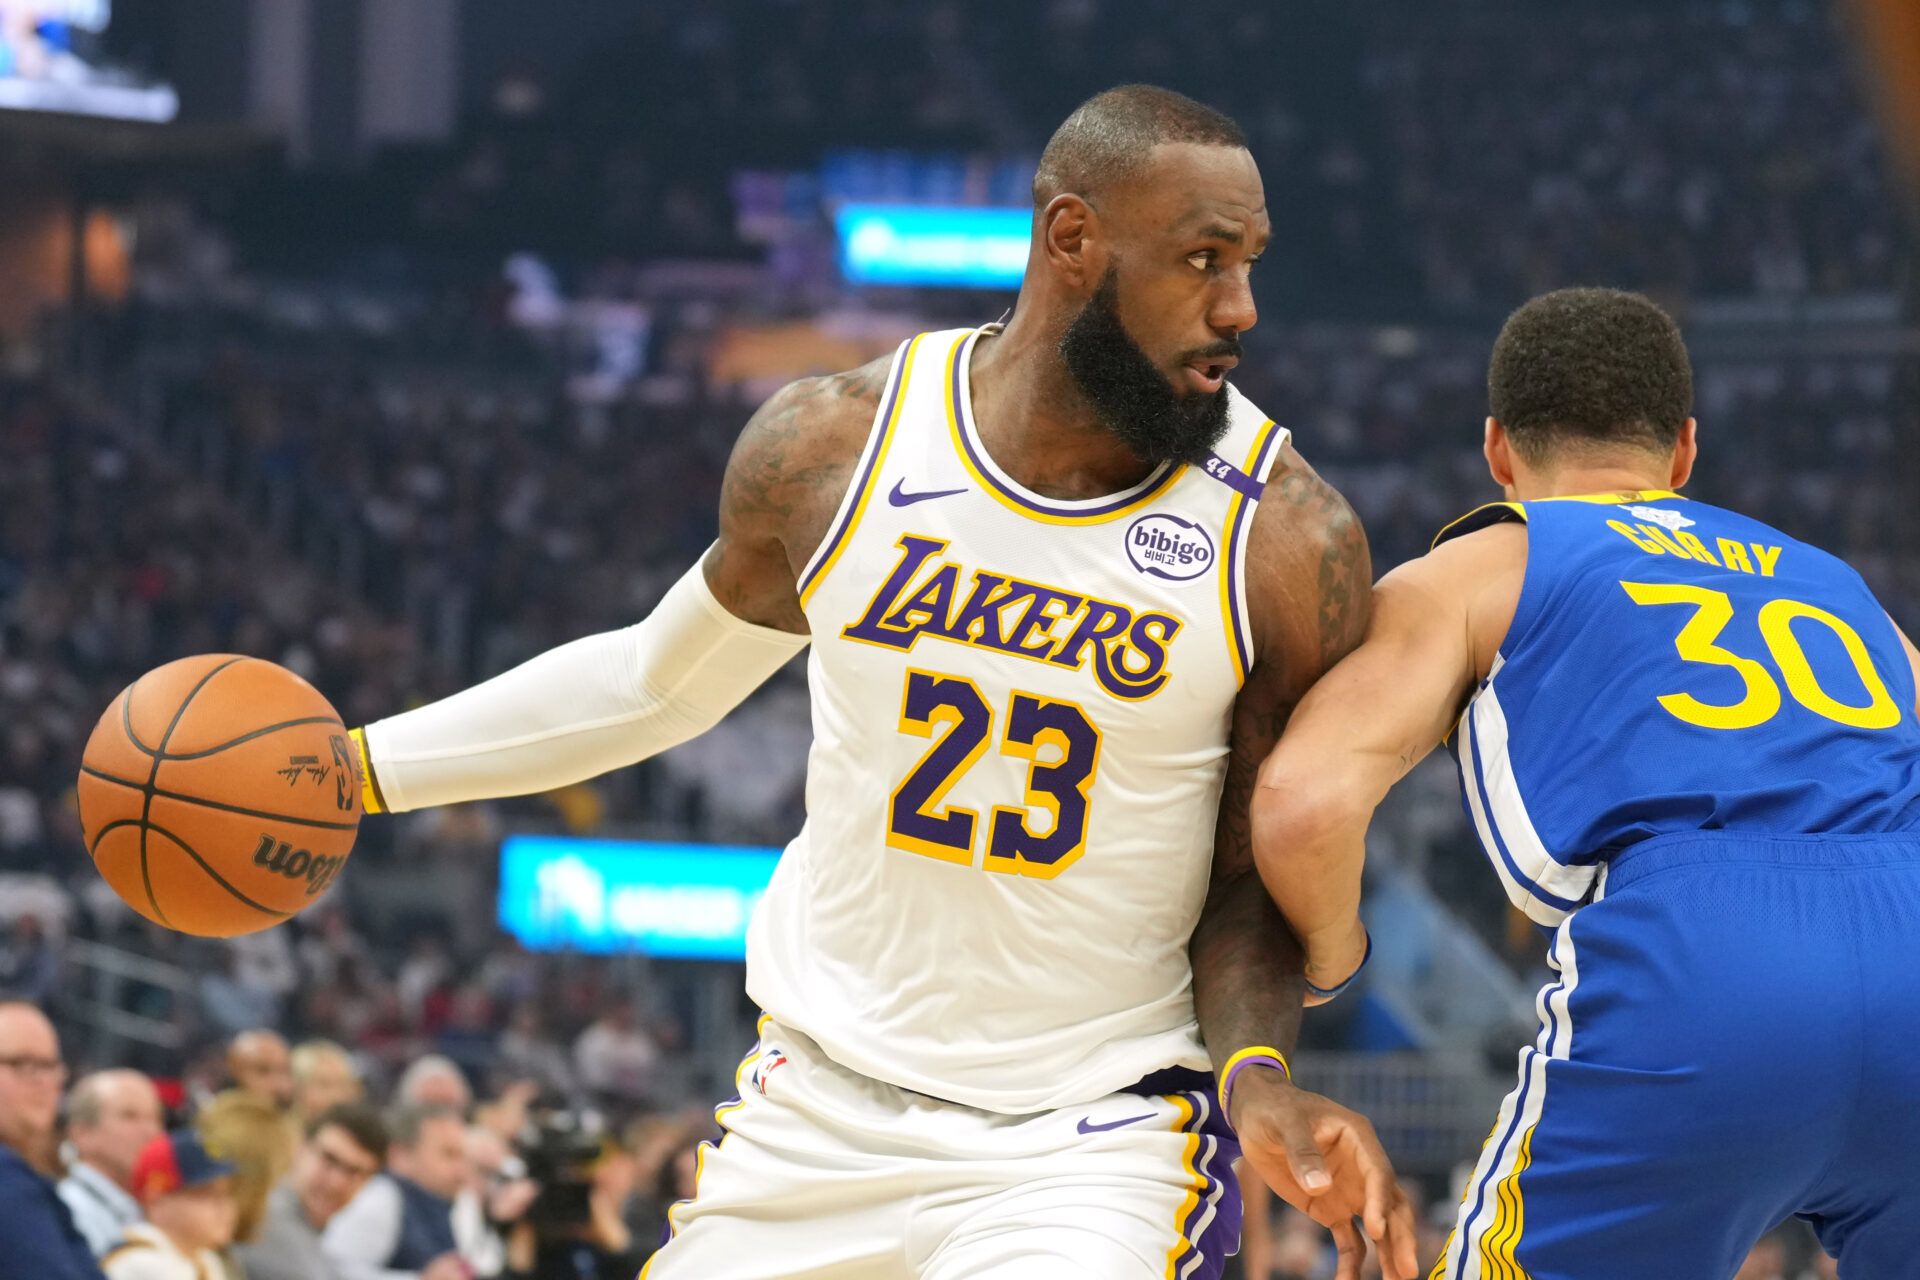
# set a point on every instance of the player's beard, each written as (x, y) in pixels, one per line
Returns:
(1131, 397)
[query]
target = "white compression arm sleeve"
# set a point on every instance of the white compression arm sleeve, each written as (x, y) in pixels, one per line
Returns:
(581, 709)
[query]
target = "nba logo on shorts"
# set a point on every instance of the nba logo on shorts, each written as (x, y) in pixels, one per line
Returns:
(764, 1068)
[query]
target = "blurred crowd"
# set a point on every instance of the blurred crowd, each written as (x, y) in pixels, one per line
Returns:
(289, 1164)
(1688, 149)
(1450, 162)
(284, 1166)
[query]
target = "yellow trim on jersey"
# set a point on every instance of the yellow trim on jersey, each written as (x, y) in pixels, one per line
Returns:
(868, 482)
(1502, 1237)
(1479, 518)
(720, 1114)
(1614, 499)
(1519, 509)
(1189, 1164)
(371, 800)
(1228, 541)
(992, 487)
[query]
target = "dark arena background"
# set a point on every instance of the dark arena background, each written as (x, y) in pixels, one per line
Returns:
(396, 341)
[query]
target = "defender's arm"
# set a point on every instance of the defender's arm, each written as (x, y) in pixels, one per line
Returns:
(1307, 576)
(609, 700)
(1370, 720)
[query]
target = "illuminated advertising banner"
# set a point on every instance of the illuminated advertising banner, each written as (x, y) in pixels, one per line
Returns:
(969, 248)
(690, 901)
(48, 62)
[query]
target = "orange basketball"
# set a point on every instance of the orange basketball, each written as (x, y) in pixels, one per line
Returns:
(219, 794)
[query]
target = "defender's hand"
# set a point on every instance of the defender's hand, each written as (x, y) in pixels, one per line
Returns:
(1325, 1161)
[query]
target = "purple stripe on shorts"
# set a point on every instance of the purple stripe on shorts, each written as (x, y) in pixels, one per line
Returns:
(1213, 1225)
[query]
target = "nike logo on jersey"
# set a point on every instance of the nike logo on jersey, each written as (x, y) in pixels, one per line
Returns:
(901, 498)
(1088, 1126)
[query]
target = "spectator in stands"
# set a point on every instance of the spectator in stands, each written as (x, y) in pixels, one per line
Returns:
(434, 1081)
(402, 1221)
(29, 962)
(187, 1196)
(613, 1055)
(111, 1117)
(527, 1052)
(498, 1193)
(323, 1077)
(343, 1152)
(35, 1224)
(259, 1140)
(601, 1248)
(258, 1063)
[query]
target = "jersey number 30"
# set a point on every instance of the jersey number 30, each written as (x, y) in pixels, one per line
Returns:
(918, 820)
(1713, 610)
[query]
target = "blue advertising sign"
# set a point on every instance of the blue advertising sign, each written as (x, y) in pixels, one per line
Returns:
(974, 248)
(689, 901)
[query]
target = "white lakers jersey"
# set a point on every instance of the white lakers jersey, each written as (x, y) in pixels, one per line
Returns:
(1020, 719)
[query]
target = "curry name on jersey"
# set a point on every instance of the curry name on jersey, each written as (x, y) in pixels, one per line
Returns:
(1673, 666)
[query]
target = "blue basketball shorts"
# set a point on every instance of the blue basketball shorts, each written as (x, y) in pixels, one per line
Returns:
(1732, 1037)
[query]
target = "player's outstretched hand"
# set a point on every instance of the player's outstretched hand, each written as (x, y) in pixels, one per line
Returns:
(1326, 1161)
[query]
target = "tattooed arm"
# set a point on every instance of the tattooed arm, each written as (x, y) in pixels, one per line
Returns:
(608, 700)
(1308, 573)
(784, 482)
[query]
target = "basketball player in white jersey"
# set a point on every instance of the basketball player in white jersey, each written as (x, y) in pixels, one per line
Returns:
(1063, 586)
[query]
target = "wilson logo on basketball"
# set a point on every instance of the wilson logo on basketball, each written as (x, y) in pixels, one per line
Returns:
(280, 857)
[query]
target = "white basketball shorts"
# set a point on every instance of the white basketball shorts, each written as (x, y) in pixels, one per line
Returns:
(824, 1174)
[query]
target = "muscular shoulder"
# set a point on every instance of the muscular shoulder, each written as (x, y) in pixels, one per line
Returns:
(801, 446)
(1473, 580)
(1308, 570)
(785, 478)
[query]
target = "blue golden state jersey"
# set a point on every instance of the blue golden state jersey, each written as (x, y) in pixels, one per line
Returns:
(1674, 667)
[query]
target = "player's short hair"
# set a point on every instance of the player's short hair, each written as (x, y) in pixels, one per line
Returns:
(360, 1122)
(1106, 141)
(1593, 367)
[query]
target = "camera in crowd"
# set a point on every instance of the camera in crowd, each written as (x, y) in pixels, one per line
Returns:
(559, 1149)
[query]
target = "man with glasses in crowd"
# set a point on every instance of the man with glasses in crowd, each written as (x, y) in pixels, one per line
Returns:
(345, 1148)
(41, 1240)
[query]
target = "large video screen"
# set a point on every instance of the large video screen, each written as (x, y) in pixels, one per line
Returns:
(51, 60)
(690, 901)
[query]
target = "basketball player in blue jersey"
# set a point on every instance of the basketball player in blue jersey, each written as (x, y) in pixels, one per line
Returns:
(1689, 745)
(1025, 995)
